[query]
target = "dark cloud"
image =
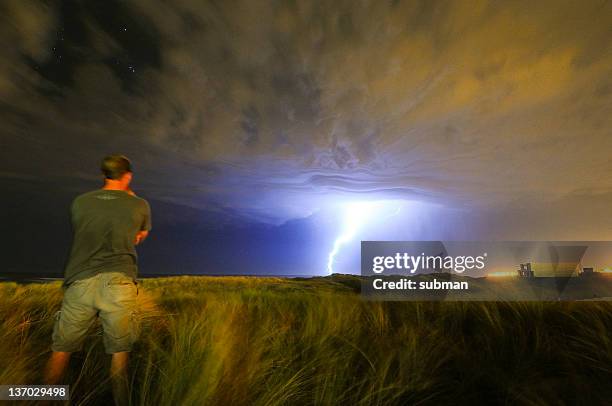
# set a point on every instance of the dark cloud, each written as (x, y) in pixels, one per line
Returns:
(271, 109)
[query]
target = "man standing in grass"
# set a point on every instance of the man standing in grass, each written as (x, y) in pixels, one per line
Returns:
(100, 276)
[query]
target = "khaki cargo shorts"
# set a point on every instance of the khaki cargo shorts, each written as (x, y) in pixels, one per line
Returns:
(111, 296)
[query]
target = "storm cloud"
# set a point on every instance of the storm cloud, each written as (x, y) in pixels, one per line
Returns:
(271, 110)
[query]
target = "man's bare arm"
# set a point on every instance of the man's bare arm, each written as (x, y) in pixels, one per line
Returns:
(140, 237)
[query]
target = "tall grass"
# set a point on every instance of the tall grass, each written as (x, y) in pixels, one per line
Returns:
(269, 341)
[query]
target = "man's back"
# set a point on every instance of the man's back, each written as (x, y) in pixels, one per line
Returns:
(105, 224)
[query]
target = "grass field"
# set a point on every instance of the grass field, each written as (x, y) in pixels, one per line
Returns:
(269, 341)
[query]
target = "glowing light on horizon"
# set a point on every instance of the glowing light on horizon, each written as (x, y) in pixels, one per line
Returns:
(357, 214)
(503, 274)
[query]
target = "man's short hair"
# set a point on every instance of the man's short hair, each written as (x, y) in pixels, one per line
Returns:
(115, 166)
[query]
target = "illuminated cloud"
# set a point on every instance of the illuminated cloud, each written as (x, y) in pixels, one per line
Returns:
(271, 109)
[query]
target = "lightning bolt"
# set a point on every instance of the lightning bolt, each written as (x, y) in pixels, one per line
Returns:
(357, 214)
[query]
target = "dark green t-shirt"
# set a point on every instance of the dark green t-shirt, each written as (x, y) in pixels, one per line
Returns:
(105, 224)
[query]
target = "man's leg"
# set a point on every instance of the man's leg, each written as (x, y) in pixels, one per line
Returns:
(117, 304)
(56, 367)
(69, 329)
(119, 377)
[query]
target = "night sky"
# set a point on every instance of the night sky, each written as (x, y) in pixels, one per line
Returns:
(253, 125)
